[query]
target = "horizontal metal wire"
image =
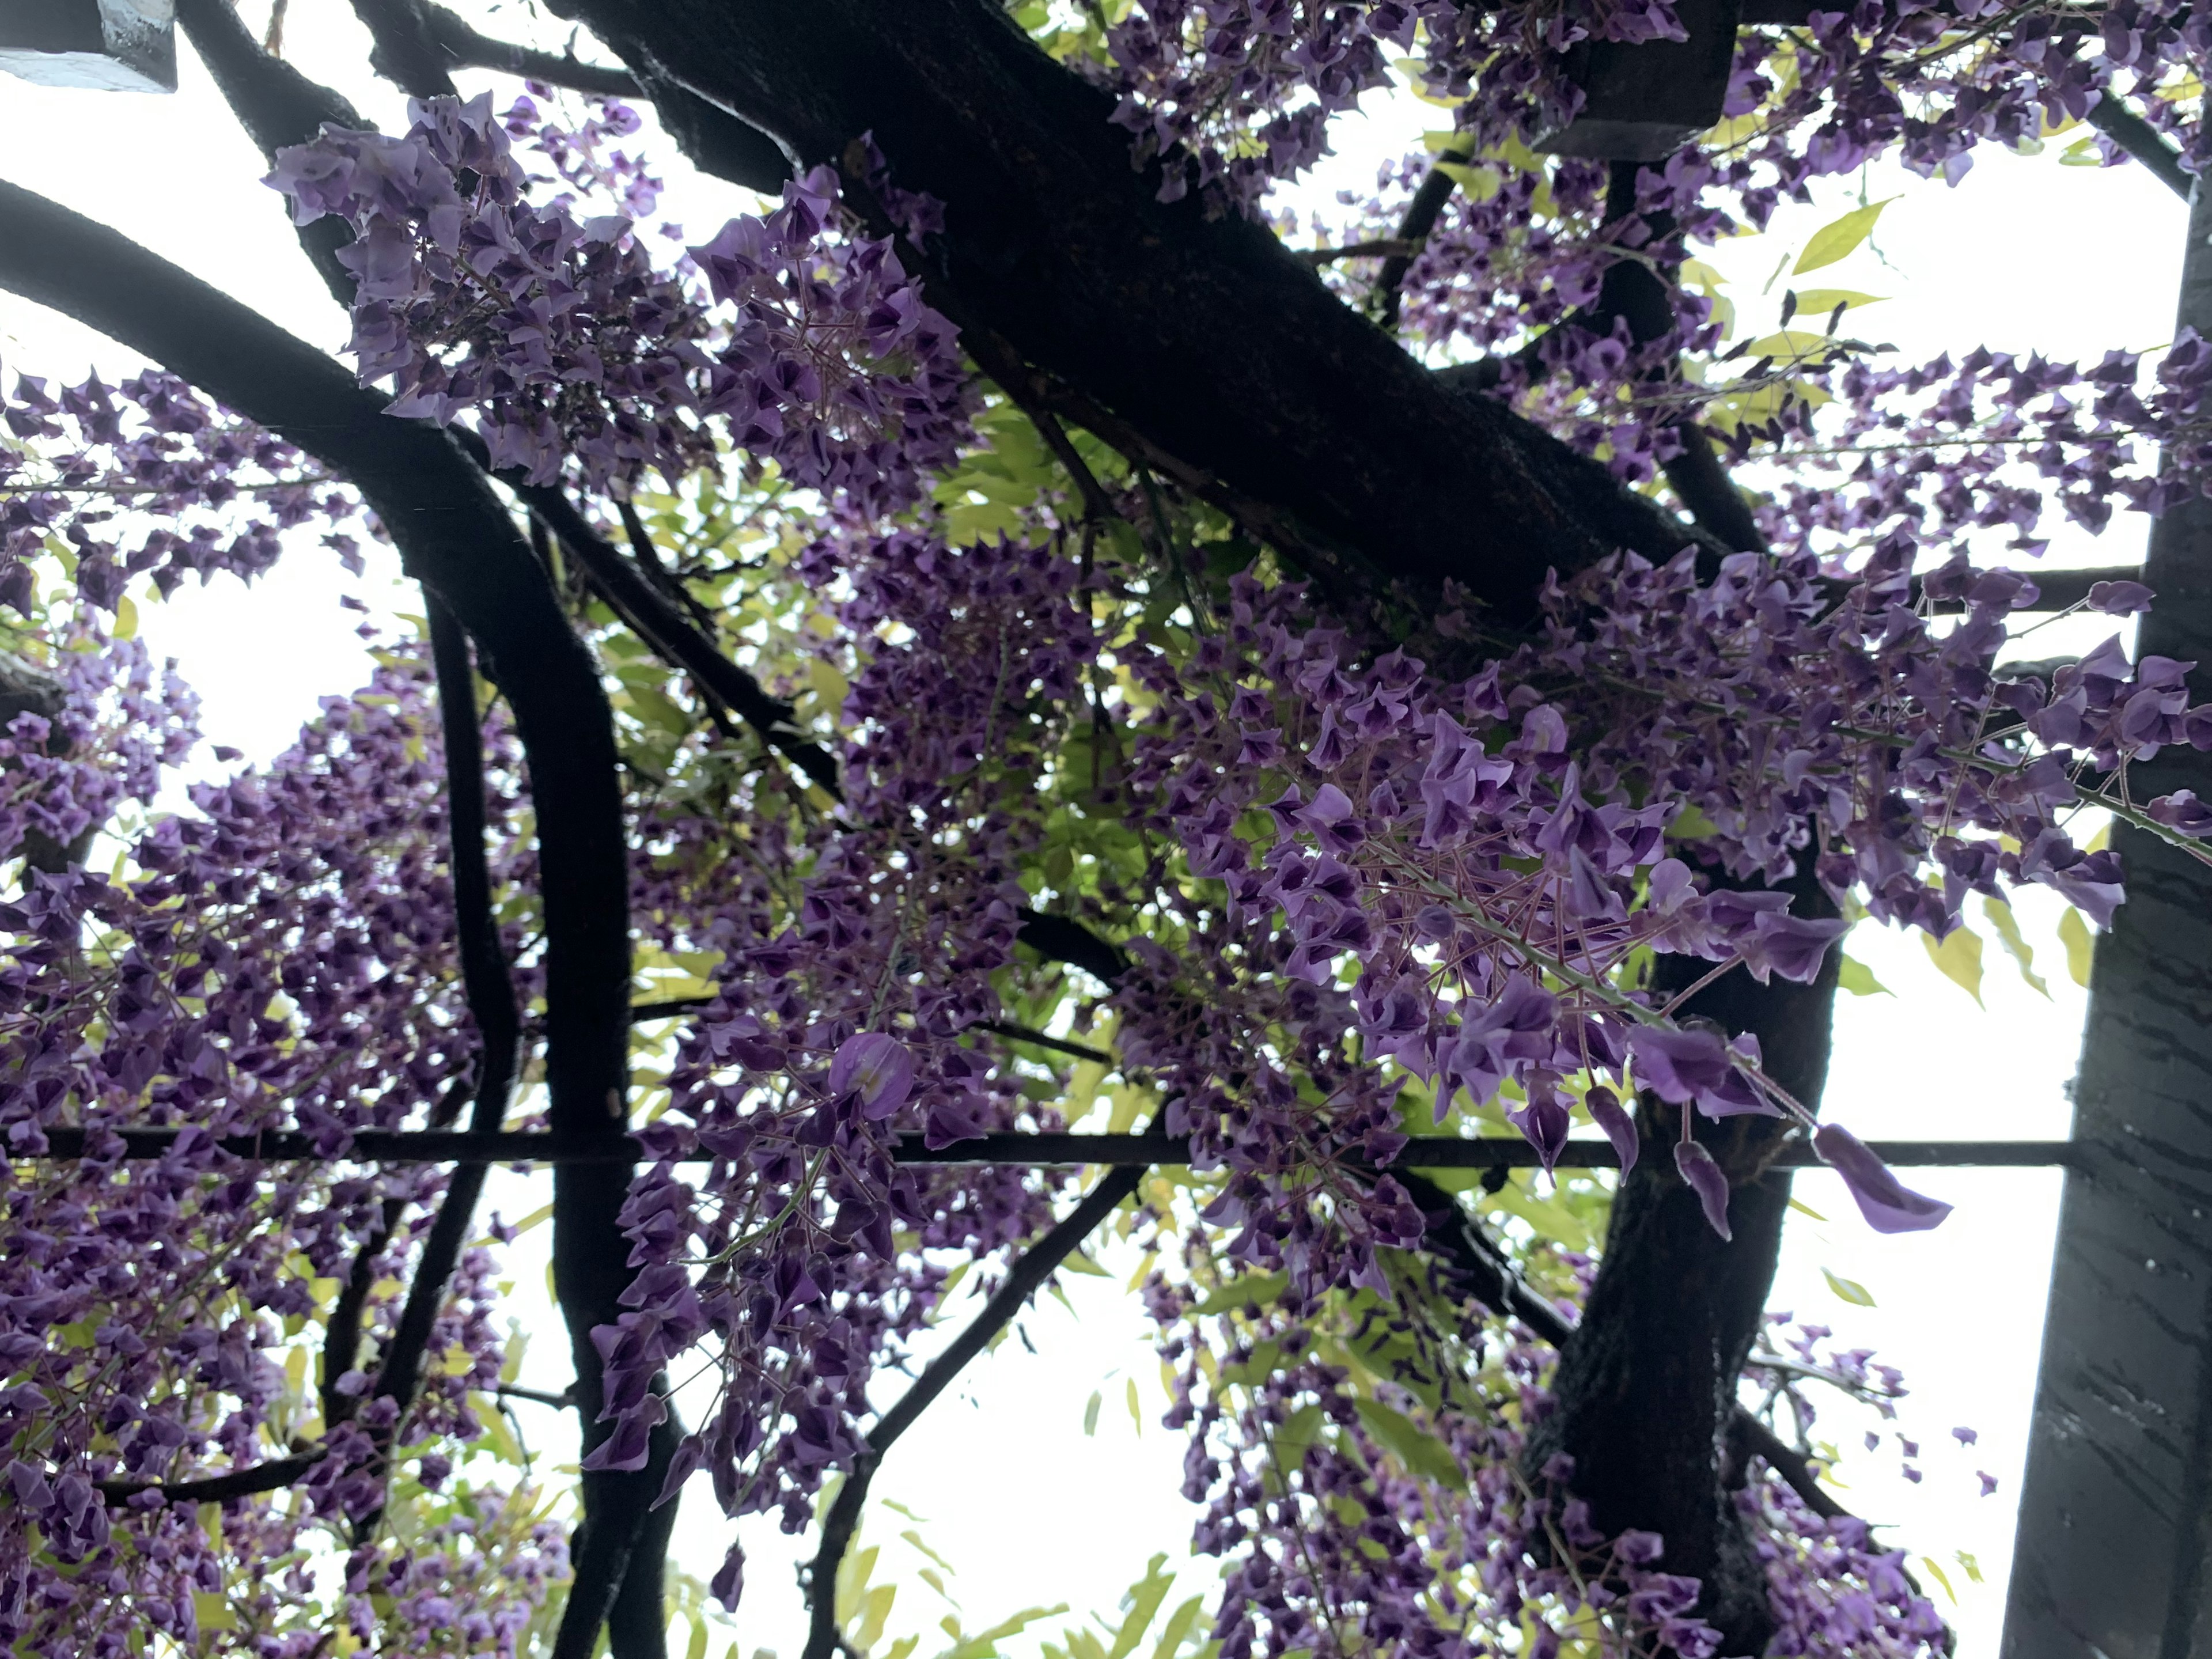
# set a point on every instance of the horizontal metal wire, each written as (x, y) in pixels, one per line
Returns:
(1036, 1151)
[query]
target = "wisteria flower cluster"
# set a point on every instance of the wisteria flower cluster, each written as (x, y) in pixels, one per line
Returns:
(204, 491)
(568, 348)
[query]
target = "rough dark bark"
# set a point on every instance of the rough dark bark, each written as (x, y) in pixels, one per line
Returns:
(2114, 1548)
(1225, 353)
(1646, 1386)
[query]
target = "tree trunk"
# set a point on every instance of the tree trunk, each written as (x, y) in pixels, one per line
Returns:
(1646, 1386)
(2113, 1554)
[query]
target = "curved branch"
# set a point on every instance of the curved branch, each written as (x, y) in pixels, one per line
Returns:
(453, 534)
(2143, 141)
(1026, 1278)
(1414, 227)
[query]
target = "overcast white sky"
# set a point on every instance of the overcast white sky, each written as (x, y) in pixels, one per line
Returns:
(2025, 255)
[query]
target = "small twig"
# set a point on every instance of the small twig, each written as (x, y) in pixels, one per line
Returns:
(1027, 1277)
(1398, 247)
(271, 1476)
(564, 1401)
(1020, 1033)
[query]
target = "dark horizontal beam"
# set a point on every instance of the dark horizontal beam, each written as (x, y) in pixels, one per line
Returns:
(1043, 1151)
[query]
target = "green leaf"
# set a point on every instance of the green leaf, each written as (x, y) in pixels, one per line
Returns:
(211, 1610)
(1421, 1452)
(1136, 1408)
(1252, 1291)
(984, 1644)
(1972, 1567)
(1299, 1430)
(1079, 1261)
(1858, 979)
(1803, 1208)
(2007, 925)
(1091, 1413)
(126, 620)
(1851, 1289)
(1144, 1600)
(2074, 934)
(696, 1648)
(1959, 956)
(1832, 241)
(1178, 1628)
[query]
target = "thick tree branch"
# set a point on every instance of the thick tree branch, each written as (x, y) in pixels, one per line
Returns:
(452, 534)
(1026, 1278)
(1228, 354)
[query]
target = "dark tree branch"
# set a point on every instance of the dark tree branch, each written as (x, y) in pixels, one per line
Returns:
(1414, 225)
(1030, 1034)
(674, 639)
(342, 1334)
(2143, 140)
(278, 106)
(1228, 354)
(452, 534)
(1380, 247)
(272, 1476)
(1787, 1462)
(1061, 938)
(1027, 1277)
(486, 981)
(406, 49)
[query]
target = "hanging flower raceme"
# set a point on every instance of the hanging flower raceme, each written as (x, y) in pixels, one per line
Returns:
(570, 351)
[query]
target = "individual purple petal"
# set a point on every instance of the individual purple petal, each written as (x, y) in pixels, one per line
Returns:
(1545, 1121)
(877, 1066)
(1677, 1064)
(1695, 1166)
(1607, 1112)
(1888, 1206)
(2119, 599)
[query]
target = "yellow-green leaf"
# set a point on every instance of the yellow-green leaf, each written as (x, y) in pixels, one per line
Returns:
(2007, 925)
(1941, 1577)
(2074, 934)
(1822, 301)
(1972, 1567)
(1091, 1413)
(1079, 1261)
(1480, 183)
(1832, 241)
(211, 1610)
(126, 620)
(696, 1648)
(1136, 1407)
(1858, 979)
(1421, 1452)
(1177, 1629)
(1849, 1289)
(1959, 956)
(1252, 1291)
(1803, 1208)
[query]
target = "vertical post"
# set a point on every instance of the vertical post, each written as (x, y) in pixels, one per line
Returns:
(2113, 1555)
